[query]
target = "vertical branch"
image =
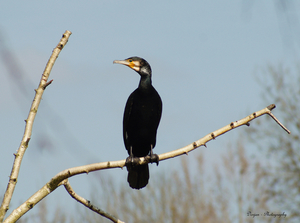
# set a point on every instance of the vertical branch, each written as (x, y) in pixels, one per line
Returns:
(29, 124)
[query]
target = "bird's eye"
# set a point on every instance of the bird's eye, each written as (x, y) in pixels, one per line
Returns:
(130, 60)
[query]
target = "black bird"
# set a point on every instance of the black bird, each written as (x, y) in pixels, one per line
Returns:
(140, 122)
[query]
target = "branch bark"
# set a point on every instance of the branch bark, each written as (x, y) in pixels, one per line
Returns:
(29, 124)
(58, 179)
(88, 204)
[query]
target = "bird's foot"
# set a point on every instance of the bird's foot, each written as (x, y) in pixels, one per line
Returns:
(153, 158)
(130, 160)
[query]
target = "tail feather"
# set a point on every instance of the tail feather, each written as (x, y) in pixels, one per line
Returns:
(138, 176)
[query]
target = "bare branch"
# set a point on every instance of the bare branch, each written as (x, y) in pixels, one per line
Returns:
(88, 204)
(29, 124)
(58, 179)
(215, 134)
(55, 182)
(279, 123)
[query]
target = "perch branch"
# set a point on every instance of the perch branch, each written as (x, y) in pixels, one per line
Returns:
(88, 204)
(29, 124)
(57, 180)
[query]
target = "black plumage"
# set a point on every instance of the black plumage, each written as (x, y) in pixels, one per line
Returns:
(140, 122)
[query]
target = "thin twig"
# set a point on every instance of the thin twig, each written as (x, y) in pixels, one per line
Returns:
(279, 123)
(57, 180)
(88, 204)
(47, 84)
(29, 124)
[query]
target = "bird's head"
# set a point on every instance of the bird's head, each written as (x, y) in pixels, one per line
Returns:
(138, 64)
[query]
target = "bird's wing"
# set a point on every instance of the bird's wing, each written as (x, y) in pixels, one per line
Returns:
(126, 117)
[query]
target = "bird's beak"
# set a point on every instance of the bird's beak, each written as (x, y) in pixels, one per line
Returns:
(124, 62)
(133, 65)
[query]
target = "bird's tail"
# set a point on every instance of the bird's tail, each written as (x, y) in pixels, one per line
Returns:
(138, 176)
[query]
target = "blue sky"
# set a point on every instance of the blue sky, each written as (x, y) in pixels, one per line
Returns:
(203, 54)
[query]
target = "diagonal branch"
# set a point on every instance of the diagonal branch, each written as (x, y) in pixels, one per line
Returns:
(278, 122)
(29, 124)
(57, 180)
(88, 204)
(221, 131)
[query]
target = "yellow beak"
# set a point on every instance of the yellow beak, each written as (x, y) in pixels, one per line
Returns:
(133, 64)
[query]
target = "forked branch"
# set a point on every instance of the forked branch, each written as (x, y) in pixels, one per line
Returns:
(58, 179)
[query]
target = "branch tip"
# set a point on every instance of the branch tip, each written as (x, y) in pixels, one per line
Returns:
(271, 107)
(279, 123)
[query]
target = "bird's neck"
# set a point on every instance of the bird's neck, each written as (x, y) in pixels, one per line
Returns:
(145, 82)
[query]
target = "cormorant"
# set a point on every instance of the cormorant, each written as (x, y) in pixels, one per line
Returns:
(140, 122)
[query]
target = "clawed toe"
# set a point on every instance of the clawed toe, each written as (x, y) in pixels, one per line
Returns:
(154, 159)
(130, 160)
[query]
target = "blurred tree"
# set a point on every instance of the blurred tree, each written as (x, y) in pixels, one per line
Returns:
(281, 86)
(224, 192)
(195, 192)
(42, 215)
